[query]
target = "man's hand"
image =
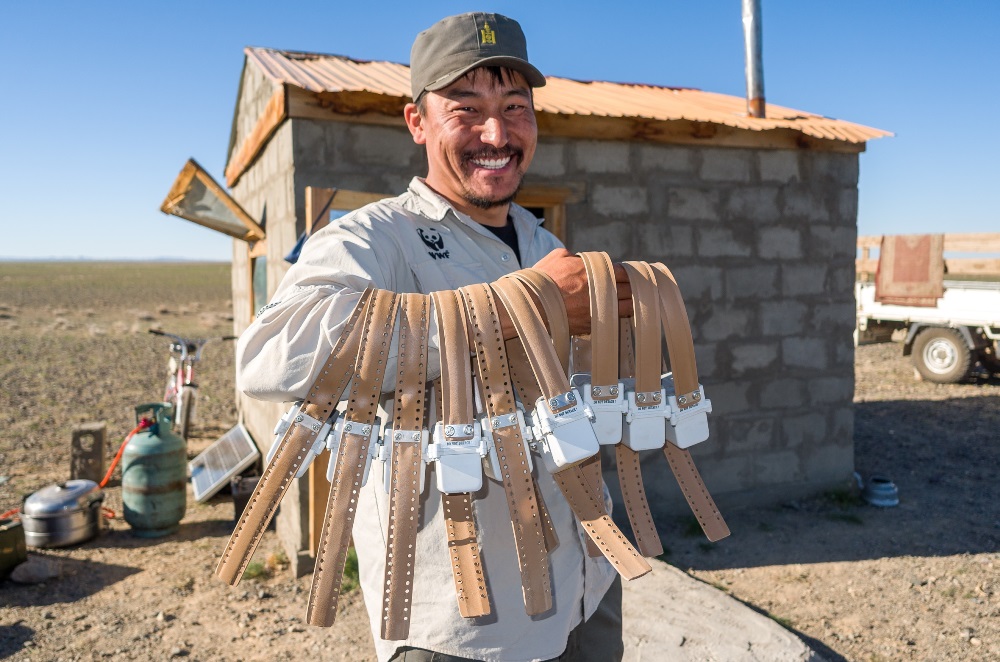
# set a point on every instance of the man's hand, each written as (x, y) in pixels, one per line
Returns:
(568, 272)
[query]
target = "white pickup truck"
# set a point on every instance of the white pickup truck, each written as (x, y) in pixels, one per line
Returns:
(946, 341)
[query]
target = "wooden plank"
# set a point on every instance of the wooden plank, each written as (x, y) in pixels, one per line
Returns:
(353, 107)
(683, 132)
(181, 188)
(274, 114)
(258, 248)
(371, 108)
(967, 266)
(319, 493)
(552, 199)
(350, 200)
(972, 266)
(969, 242)
(973, 242)
(317, 207)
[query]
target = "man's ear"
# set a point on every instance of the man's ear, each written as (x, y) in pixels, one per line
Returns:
(415, 123)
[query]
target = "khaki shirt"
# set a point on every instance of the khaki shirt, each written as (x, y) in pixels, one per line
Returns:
(418, 242)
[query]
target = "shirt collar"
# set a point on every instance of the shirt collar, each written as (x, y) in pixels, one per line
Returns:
(435, 207)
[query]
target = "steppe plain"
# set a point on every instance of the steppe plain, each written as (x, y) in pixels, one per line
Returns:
(917, 582)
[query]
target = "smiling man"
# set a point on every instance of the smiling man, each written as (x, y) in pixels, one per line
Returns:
(473, 112)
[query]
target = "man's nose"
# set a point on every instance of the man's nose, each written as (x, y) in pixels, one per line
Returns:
(494, 132)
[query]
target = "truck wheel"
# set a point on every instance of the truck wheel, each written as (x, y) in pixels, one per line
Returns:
(941, 356)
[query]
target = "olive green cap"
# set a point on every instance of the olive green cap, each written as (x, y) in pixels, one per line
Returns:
(456, 45)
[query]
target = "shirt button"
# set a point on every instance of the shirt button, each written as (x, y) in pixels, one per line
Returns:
(505, 257)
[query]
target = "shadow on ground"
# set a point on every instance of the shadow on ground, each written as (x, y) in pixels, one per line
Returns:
(941, 454)
(76, 579)
(13, 638)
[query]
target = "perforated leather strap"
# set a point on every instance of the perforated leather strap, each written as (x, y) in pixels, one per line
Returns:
(603, 323)
(293, 447)
(646, 323)
(527, 391)
(351, 459)
(603, 367)
(454, 400)
(586, 502)
(404, 500)
(680, 347)
(629, 468)
(495, 387)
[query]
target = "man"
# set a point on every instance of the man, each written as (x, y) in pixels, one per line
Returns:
(473, 112)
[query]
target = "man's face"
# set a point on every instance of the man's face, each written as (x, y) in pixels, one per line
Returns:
(480, 135)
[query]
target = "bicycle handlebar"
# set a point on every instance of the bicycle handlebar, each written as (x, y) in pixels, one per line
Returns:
(189, 346)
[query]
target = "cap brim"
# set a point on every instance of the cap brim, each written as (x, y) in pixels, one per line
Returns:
(531, 74)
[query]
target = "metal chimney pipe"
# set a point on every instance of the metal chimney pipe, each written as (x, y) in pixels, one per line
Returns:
(752, 36)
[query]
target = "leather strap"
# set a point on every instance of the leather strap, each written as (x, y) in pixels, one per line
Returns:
(351, 460)
(603, 323)
(407, 440)
(318, 407)
(586, 502)
(603, 367)
(646, 322)
(494, 383)
(629, 467)
(454, 402)
(680, 347)
(527, 391)
(547, 293)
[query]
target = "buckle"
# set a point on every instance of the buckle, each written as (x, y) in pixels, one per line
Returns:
(564, 430)
(609, 407)
(458, 451)
(296, 415)
(688, 414)
(384, 453)
(336, 437)
(491, 463)
(645, 419)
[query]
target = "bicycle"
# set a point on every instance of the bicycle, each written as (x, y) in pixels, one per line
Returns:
(182, 390)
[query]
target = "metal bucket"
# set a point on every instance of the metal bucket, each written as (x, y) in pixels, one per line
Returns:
(63, 514)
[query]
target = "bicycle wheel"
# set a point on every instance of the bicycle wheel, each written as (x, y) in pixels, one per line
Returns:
(185, 410)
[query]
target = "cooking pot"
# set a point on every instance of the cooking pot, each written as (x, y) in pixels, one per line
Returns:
(62, 514)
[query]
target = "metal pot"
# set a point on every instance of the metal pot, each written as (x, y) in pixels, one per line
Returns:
(62, 514)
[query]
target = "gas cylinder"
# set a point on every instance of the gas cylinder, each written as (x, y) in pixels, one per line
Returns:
(154, 474)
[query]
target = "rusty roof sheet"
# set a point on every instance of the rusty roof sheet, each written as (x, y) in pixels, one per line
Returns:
(317, 72)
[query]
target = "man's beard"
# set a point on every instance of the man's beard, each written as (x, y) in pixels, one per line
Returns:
(491, 203)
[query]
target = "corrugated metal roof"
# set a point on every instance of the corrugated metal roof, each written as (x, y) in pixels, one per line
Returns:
(317, 72)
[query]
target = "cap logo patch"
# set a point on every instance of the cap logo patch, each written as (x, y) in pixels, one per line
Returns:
(487, 36)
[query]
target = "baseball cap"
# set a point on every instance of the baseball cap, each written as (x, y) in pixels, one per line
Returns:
(456, 45)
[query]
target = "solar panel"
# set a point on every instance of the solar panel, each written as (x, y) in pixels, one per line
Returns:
(228, 456)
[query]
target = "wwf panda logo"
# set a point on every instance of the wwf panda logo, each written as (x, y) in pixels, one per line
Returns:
(432, 238)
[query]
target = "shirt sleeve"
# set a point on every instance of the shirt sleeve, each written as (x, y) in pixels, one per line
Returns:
(282, 351)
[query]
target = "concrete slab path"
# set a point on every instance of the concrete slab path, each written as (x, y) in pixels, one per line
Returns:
(671, 616)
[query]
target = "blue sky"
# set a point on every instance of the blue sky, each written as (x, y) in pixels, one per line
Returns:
(102, 102)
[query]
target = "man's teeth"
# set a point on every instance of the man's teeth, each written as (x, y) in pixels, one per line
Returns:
(492, 164)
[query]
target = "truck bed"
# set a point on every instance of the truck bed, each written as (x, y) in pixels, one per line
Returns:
(965, 303)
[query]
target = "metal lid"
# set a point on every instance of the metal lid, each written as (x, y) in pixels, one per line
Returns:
(62, 497)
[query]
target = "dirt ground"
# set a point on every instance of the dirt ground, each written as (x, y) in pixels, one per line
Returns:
(916, 582)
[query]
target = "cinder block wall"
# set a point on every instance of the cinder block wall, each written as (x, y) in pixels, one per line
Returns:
(762, 243)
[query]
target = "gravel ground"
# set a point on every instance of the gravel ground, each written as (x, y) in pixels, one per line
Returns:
(916, 582)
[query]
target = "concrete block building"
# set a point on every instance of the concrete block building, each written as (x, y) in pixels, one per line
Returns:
(755, 216)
